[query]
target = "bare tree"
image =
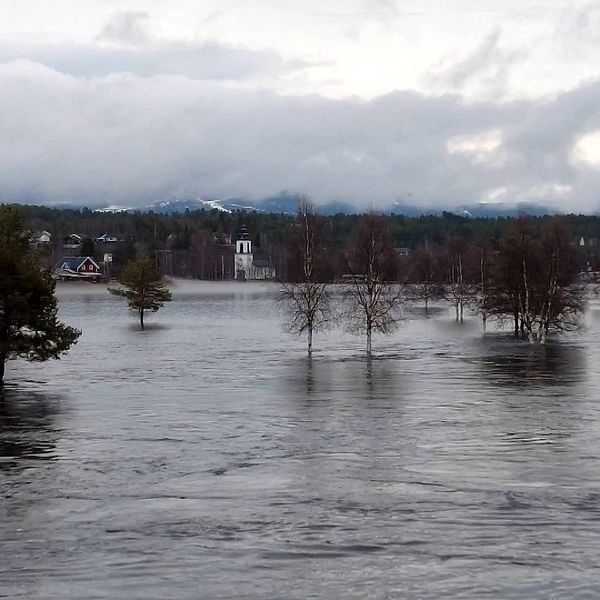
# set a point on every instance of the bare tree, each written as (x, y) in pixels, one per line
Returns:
(458, 290)
(507, 273)
(479, 261)
(561, 301)
(373, 297)
(306, 296)
(536, 279)
(425, 285)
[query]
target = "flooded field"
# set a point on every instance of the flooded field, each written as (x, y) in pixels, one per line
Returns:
(207, 457)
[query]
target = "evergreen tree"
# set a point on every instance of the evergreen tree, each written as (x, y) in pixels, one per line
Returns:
(88, 248)
(29, 327)
(143, 286)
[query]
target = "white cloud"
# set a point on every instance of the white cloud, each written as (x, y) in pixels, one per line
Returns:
(482, 148)
(586, 149)
(125, 44)
(497, 194)
(483, 72)
(126, 27)
(362, 47)
(556, 196)
(208, 60)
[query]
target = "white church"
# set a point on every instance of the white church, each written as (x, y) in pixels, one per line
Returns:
(245, 266)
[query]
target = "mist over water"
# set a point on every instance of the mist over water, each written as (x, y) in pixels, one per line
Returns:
(207, 457)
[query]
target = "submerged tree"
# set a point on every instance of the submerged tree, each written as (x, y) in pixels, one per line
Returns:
(536, 279)
(561, 300)
(29, 327)
(480, 263)
(426, 286)
(143, 287)
(306, 296)
(458, 289)
(373, 298)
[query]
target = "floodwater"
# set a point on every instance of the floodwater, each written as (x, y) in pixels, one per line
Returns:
(208, 458)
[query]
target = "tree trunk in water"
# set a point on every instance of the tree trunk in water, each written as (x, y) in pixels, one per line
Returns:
(369, 340)
(484, 318)
(142, 319)
(456, 308)
(310, 336)
(2, 364)
(426, 306)
(461, 311)
(516, 314)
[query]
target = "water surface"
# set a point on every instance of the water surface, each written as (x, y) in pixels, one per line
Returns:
(207, 457)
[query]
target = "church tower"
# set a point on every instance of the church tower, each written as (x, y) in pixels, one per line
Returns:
(243, 257)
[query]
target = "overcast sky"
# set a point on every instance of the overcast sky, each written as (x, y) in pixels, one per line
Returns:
(430, 102)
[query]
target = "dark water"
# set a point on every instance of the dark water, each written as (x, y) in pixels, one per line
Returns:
(207, 458)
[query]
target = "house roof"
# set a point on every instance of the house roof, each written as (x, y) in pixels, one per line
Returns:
(74, 262)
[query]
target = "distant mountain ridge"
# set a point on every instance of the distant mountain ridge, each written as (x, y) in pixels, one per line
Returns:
(282, 203)
(287, 203)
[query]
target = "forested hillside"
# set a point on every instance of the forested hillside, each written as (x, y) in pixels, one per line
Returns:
(198, 243)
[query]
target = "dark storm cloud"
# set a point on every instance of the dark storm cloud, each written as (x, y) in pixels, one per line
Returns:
(133, 139)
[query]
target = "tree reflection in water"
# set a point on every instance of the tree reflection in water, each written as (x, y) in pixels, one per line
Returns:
(540, 394)
(28, 430)
(344, 380)
(521, 365)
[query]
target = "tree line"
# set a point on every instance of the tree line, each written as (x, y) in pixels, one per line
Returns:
(529, 276)
(197, 244)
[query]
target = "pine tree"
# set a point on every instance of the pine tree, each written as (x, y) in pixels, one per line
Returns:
(29, 327)
(143, 286)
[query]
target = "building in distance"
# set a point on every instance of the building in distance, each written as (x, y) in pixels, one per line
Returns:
(39, 238)
(74, 240)
(245, 265)
(105, 238)
(77, 267)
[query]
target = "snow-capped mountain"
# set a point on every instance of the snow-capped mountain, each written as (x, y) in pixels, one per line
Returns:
(177, 205)
(287, 203)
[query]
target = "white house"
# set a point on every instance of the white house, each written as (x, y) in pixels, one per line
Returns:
(245, 266)
(40, 237)
(106, 239)
(72, 241)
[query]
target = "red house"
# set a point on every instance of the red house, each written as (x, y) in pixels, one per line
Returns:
(77, 267)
